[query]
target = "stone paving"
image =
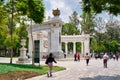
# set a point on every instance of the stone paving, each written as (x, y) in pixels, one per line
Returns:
(79, 71)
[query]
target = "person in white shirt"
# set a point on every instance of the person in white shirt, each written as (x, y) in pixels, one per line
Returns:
(105, 59)
(87, 57)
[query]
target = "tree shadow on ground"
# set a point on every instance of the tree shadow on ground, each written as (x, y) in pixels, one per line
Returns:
(117, 77)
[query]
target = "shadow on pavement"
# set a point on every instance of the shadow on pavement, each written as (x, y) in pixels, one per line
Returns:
(117, 77)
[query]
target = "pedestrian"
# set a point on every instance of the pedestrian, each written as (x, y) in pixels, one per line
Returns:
(114, 56)
(117, 56)
(75, 57)
(49, 62)
(87, 57)
(105, 59)
(64, 55)
(78, 56)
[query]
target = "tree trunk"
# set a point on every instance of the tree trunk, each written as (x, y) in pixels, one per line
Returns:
(11, 56)
(32, 44)
(11, 52)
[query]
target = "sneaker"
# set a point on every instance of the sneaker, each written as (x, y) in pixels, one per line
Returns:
(47, 74)
(50, 75)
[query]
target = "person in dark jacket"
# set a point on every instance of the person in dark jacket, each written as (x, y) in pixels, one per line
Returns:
(49, 62)
(75, 57)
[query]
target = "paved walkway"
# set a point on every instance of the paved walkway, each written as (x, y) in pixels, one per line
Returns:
(79, 71)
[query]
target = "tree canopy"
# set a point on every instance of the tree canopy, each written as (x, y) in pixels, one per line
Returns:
(34, 9)
(111, 6)
(70, 29)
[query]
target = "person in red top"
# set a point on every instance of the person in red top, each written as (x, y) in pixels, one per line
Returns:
(117, 56)
(78, 56)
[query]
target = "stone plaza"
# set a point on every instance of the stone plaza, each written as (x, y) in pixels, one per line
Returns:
(79, 71)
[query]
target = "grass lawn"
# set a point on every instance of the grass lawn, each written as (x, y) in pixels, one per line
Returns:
(22, 71)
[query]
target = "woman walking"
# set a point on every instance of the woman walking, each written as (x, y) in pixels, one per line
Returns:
(87, 57)
(49, 62)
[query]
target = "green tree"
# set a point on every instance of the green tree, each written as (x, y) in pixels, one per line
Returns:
(3, 28)
(101, 48)
(111, 6)
(69, 29)
(105, 36)
(93, 45)
(21, 31)
(87, 22)
(10, 8)
(1, 2)
(112, 46)
(14, 43)
(74, 18)
(99, 33)
(3, 34)
(113, 29)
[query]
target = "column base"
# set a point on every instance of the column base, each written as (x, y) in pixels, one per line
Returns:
(23, 60)
(58, 54)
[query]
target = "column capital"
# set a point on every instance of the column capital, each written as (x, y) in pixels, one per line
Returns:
(74, 42)
(66, 42)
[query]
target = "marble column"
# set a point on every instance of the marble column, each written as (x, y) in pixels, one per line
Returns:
(86, 45)
(30, 46)
(49, 41)
(82, 49)
(74, 47)
(66, 48)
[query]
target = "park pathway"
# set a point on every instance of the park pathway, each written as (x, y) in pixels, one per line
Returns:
(79, 71)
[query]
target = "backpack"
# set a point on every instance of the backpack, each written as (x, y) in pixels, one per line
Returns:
(46, 62)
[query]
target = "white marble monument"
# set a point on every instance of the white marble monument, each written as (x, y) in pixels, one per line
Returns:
(23, 58)
(49, 35)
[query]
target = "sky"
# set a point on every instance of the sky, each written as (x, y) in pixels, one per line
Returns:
(66, 8)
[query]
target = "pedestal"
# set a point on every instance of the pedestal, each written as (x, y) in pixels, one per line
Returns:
(57, 54)
(23, 58)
